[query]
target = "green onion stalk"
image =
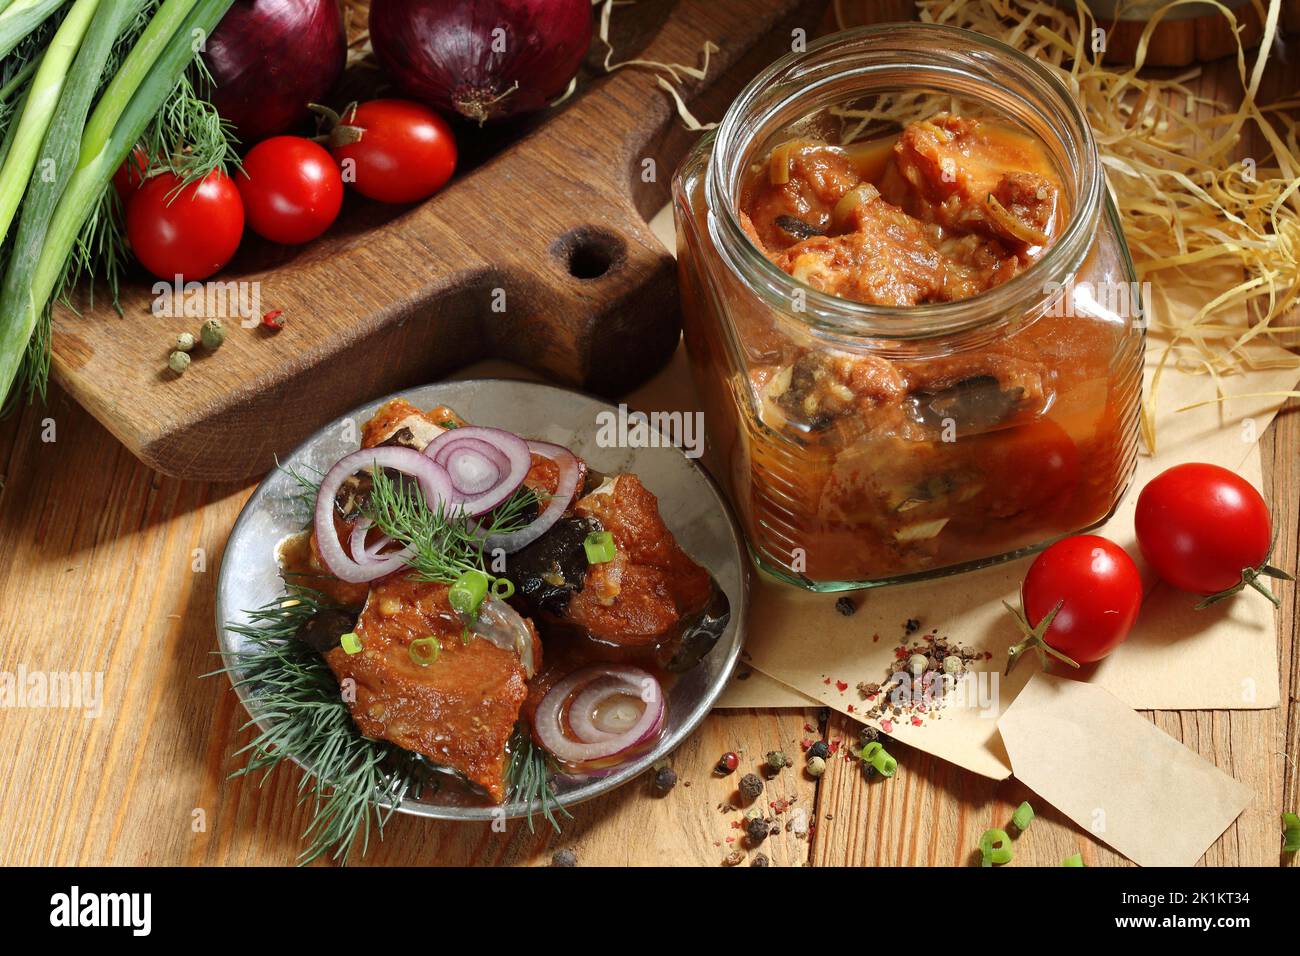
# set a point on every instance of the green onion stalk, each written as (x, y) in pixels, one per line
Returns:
(135, 95)
(59, 153)
(40, 107)
(20, 18)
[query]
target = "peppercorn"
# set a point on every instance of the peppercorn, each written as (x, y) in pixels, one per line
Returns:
(565, 857)
(846, 606)
(273, 320)
(952, 664)
(751, 785)
(734, 858)
(866, 735)
(185, 342)
(868, 771)
(816, 767)
(665, 779)
(756, 830)
(776, 759)
(727, 763)
(917, 664)
(911, 625)
(212, 334)
(819, 749)
(760, 859)
(178, 362)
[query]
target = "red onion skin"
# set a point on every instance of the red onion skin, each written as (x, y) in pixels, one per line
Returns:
(443, 53)
(270, 59)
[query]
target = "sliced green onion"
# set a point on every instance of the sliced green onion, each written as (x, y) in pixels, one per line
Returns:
(885, 765)
(1023, 816)
(995, 847)
(1291, 831)
(425, 650)
(503, 588)
(350, 642)
(468, 592)
(600, 547)
(1076, 860)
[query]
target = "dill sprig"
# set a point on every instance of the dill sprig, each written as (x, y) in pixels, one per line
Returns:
(531, 779)
(351, 782)
(443, 543)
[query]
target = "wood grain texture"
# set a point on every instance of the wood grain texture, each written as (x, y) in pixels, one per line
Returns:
(109, 567)
(499, 264)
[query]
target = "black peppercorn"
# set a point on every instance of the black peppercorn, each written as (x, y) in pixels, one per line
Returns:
(760, 859)
(565, 857)
(751, 785)
(819, 749)
(846, 606)
(756, 830)
(665, 779)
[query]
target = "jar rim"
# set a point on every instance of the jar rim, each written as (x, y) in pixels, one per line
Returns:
(955, 52)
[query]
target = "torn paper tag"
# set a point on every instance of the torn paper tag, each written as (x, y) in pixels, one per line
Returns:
(1116, 774)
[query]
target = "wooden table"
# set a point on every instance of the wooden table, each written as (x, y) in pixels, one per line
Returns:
(108, 567)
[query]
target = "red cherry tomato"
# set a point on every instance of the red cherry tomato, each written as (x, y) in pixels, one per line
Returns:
(1099, 589)
(291, 188)
(1200, 526)
(192, 232)
(130, 175)
(394, 151)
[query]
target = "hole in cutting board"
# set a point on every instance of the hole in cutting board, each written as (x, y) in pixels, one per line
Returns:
(589, 252)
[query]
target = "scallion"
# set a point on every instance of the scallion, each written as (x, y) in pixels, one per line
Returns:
(1023, 816)
(995, 847)
(350, 642)
(425, 650)
(468, 592)
(21, 18)
(600, 547)
(1291, 832)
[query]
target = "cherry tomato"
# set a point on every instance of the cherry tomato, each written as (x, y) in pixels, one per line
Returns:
(1200, 526)
(291, 188)
(192, 232)
(130, 175)
(394, 151)
(1099, 590)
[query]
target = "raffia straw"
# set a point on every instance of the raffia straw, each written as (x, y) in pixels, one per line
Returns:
(1184, 198)
(670, 74)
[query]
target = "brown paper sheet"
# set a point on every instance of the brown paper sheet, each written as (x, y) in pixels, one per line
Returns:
(1115, 774)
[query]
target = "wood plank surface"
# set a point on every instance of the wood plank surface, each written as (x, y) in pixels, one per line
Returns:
(110, 568)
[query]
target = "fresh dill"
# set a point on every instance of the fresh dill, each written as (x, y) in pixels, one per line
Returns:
(444, 544)
(308, 488)
(351, 781)
(530, 779)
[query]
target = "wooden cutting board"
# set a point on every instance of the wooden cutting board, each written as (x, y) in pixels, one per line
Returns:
(538, 252)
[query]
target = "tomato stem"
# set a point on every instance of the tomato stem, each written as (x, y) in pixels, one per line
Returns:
(1035, 638)
(1251, 576)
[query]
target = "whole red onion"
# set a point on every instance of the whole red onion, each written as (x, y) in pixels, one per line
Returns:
(270, 59)
(483, 59)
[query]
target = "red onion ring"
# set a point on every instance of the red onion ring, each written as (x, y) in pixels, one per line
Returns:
(470, 454)
(364, 566)
(548, 722)
(566, 487)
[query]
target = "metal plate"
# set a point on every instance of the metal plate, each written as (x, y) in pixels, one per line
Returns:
(691, 505)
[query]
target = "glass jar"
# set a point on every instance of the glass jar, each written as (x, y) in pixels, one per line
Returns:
(1015, 417)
